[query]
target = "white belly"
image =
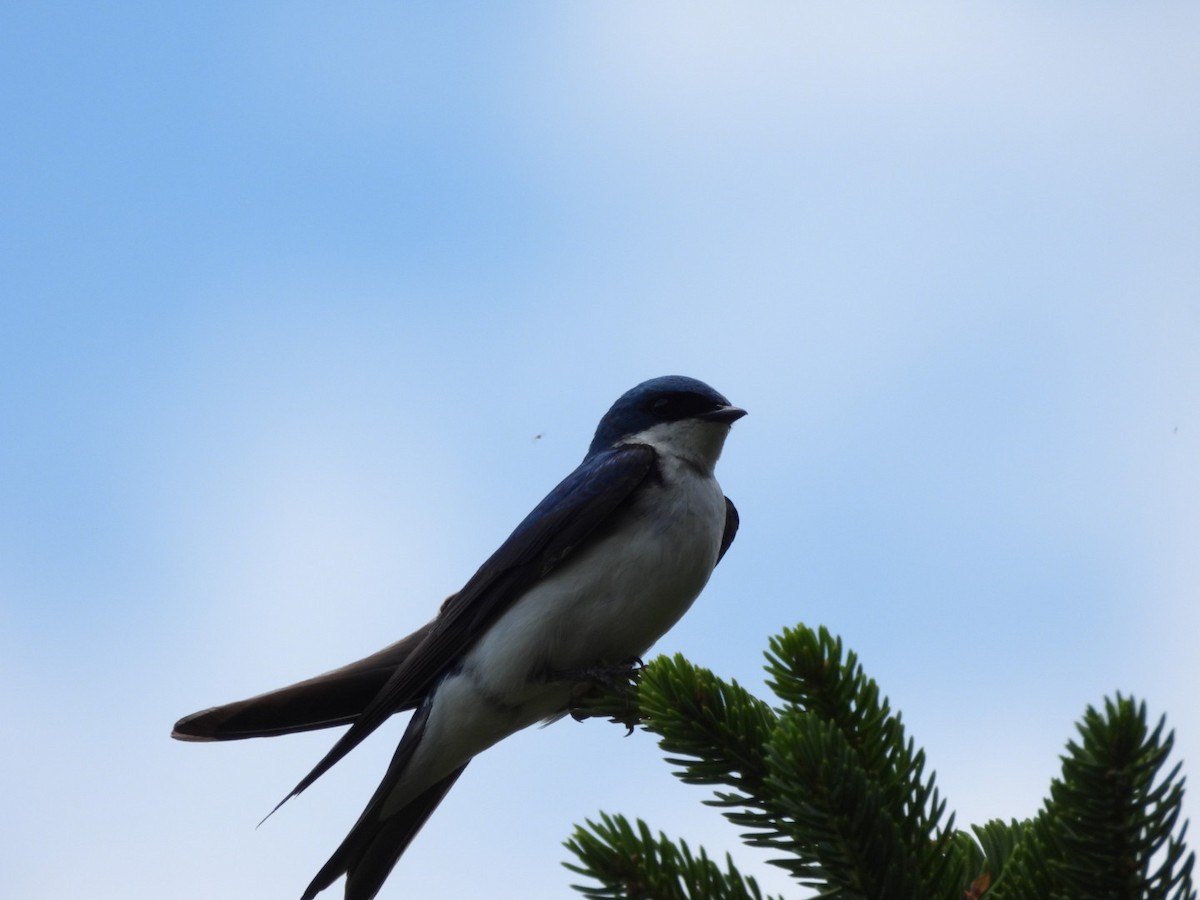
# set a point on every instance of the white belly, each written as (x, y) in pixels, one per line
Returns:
(611, 602)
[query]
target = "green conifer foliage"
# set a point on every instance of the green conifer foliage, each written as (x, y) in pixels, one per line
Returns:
(827, 779)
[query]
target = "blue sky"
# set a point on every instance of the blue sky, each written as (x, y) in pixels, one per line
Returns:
(290, 292)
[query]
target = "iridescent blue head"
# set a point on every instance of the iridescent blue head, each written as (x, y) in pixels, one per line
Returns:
(660, 401)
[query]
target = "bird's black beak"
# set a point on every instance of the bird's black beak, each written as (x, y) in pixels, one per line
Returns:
(727, 415)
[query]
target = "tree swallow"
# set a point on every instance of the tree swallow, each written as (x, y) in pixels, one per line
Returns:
(597, 573)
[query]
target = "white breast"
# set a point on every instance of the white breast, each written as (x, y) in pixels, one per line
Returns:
(614, 599)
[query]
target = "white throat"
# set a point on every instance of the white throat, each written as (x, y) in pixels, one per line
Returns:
(693, 441)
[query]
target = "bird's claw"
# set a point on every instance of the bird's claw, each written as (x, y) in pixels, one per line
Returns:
(609, 690)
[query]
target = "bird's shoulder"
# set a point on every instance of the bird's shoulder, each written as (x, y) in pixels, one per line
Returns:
(580, 504)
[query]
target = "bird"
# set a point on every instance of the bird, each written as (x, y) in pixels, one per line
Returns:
(583, 587)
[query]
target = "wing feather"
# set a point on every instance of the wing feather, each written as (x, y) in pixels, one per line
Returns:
(580, 505)
(731, 527)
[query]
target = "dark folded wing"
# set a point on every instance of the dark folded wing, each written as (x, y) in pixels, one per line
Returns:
(731, 526)
(581, 505)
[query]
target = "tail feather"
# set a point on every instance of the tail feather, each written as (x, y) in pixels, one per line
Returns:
(333, 698)
(373, 847)
(376, 842)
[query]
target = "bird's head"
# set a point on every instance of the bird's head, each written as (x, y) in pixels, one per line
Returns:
(674, 413)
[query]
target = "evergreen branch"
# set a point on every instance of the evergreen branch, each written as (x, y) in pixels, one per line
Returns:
(831, 818)
(810, 672)
(632, 864)
(714, 730)
(1107, 829)
(997, 841)
(831, 782)
(1113, 820)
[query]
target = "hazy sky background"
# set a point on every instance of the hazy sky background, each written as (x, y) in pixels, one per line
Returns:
(290, 292)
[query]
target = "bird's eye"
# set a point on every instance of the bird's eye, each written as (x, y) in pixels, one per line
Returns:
(660, 404)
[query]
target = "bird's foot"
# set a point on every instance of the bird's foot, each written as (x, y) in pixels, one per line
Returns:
(609, 691)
